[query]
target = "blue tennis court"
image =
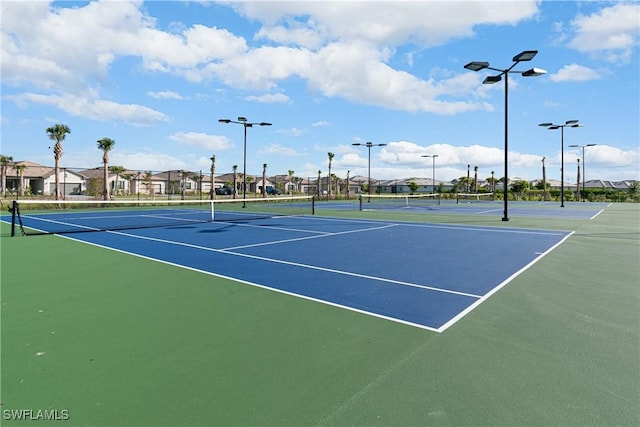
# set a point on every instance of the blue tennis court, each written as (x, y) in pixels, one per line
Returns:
(423, 275)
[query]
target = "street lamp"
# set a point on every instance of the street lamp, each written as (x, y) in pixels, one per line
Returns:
(243, 121)
(551, 126)
(584, 189)
(369, 145)
(433, 172)
(526, 55)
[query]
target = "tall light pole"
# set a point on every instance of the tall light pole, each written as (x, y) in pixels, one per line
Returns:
(584, 168)
(243, 121)
(526, 55)
(551, 126)
(369, 145)
(433, 172)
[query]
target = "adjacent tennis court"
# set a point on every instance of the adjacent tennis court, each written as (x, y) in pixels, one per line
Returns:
(321, 315)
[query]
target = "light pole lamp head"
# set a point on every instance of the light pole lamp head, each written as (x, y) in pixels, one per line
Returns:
(489, 80)
(242, 119)
(526, 55)
(534, 72)
(476, 65)
(545, 125)
(264, 124)
(224, 120)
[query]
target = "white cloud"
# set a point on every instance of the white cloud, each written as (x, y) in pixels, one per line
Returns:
(291, 132)
(280, 150)
(269, 98)
(202, 140)
(575, 73)
(93, 109)
(167, 94)
(612, 32)
(320, 123)
(382, 22)
(339, 56)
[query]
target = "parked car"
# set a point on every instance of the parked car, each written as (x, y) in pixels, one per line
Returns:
(273, 191)
(224, 191)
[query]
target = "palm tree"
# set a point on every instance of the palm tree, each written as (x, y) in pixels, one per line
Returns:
(118, 170)
(106, 145)
(58, 133)
(348, 187)
(264, 180)
(250, 179)
(212, 193)
(128, 177)
(19, 170)
(290, 181)
(235, 181)
(475, 179)
(4, 164)
(331, 156)
(147, 180)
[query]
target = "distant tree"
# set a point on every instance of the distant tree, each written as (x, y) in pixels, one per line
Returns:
(519, 188)
(263, 190)
(4, 164)
(634, 190)
(128, 177)
(475, 179)
(106, 145)
(249, 180)
(147, 180)
(19, 171)
(413, 185)
(57, 133)
(212, 192)
(118, 170)
(331, 156)
(290, 172)
(235, 181)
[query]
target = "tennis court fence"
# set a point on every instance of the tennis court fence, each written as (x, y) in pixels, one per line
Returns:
(32, 217)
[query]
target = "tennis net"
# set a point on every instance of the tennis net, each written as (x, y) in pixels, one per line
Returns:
(397, 201)
(474, 197)
(30, 217)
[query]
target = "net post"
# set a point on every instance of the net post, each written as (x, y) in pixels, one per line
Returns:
(13, 209)
(213, 210)
(313, 205)
(360, 202)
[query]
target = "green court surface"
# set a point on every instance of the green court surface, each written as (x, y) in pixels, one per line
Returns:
(96, 337)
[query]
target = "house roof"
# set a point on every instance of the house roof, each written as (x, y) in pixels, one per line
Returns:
(35, 170)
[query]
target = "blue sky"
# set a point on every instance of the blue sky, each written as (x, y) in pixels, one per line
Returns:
(156, 77)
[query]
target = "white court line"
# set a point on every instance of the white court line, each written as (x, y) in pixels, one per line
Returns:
(325, 234)
(296, 264)
(500, 286)
(489, 211)
(257, 285)
(599, 212)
